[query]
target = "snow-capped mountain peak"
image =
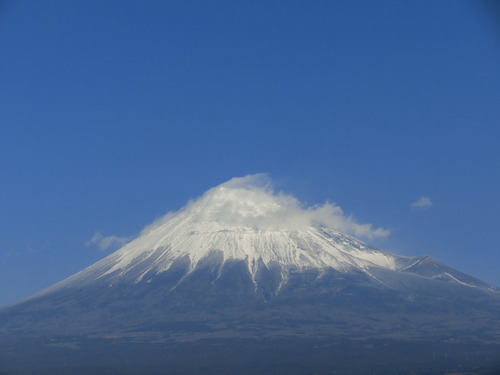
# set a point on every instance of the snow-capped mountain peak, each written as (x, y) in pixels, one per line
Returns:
(244, 219)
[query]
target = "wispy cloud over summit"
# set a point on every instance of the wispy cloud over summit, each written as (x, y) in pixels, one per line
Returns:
(250, 201)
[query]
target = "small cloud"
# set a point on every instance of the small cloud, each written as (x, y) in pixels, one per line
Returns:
(422, 203)
(104, 243)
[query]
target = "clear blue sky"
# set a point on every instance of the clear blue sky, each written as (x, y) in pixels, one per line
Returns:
(114, 112)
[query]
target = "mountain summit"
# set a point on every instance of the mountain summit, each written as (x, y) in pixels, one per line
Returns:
(243, 220)
(245, 263)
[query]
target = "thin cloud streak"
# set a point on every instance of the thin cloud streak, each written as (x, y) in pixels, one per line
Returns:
(104, 243)
(422, 203)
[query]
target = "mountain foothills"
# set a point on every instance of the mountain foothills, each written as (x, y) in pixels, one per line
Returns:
(244, 280)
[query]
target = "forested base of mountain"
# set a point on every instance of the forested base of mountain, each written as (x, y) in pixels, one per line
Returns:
(248, 357)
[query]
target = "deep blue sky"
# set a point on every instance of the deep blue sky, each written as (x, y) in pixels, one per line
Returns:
(115, 112)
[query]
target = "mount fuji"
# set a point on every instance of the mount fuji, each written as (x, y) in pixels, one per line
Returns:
(245, 280)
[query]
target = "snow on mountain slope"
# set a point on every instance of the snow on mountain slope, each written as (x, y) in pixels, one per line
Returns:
(245, 220)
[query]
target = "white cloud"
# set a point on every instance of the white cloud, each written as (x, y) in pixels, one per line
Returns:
(422, 203)
(250, 201)
(107, 242)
